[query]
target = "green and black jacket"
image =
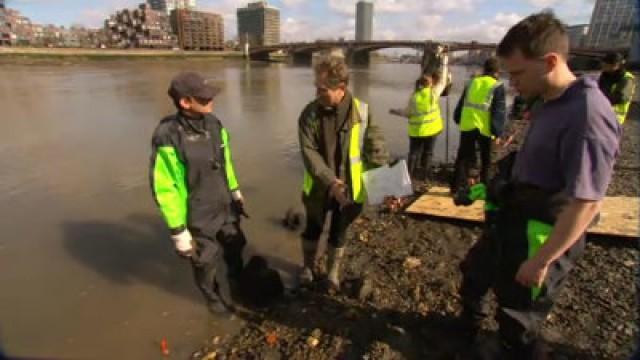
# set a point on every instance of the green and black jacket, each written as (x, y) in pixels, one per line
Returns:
(192, 175)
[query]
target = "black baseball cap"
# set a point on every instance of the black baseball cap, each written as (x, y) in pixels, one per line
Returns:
(191, 84)
(613, 58)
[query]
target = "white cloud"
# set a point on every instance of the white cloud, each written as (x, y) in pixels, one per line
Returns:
(293, 2)
(94, 17)
(348, 7)
(569, 11)
(484, 30)
(543, 3)
(306, 29)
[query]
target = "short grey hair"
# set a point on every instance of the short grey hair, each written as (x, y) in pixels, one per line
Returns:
(335, 69)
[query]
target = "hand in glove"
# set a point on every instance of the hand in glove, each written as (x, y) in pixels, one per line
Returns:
(238, 203)
(184, 243)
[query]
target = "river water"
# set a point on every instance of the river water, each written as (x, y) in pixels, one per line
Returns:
(86, 266)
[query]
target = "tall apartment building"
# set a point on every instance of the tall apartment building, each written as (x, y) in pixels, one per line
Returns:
(364, 21)
(142, 27)
(169, 5)
(634, 54)
(578, 35)
(258, 24)
(198, 30)
(612, 23)
(15, 29)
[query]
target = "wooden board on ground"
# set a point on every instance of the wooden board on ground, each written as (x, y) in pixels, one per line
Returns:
(619, 215)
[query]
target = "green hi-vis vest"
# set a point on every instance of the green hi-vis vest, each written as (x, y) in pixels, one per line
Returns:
(170, 182)
(425, 119)
(477, 105)
(356, 144)
(622, 109)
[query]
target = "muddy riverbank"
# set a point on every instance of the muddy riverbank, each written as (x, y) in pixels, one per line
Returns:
(408, 304)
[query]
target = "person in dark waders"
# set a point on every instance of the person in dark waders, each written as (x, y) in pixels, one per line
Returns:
(195, 187)
(544, 197)
(481, 115)
(425, 119)
(338, 142)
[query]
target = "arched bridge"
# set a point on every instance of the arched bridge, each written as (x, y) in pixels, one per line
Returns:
(357, 52)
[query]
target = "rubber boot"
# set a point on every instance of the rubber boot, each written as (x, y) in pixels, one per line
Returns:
(309, 249)
(335, 260)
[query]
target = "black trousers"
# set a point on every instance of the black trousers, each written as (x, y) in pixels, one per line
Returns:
(420, 154)
(493, 262)
(217, 261)
(467, 157)
(340, 221)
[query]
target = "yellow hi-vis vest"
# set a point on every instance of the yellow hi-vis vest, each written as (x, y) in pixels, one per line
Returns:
(424, 119)
(360, 110)
(622, 109)
(477, 105)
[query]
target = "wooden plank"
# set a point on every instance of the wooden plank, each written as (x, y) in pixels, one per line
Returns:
(620, 216)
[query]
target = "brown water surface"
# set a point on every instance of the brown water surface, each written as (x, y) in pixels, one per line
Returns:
(86, 267)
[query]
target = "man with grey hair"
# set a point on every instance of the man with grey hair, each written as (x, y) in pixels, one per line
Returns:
(338, 143)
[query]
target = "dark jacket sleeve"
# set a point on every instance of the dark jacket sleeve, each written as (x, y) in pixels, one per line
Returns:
(457, 113)
(498, 111)
(308, 136)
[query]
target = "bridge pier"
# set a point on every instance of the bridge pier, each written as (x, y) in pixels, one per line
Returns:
(358, 58)
(263, 56)
(302, 58)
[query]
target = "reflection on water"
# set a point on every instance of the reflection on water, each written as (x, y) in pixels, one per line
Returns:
(87, 267)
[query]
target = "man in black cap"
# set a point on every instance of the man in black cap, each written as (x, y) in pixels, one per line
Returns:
(617, 84)
(195, 187)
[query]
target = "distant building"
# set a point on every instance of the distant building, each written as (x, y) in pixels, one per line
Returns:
(634, 54)
(139, 28)
(364, 21)
(158, 5)
(612, 24)
(15, 29)
(2, 4)
(578, 35)
(258, 24)
(198, 30)
(168, 6)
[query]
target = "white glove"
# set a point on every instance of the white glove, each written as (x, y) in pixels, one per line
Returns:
(237, 196)
(184, 243)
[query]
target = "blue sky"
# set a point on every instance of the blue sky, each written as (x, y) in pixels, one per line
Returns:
(481, 20)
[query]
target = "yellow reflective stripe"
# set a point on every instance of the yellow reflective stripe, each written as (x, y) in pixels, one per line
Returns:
(622, 110)
(431, 111)
(356, 144)
(486, 105)
(477, 104)
(358, 132)
(307, 183)
(420, 122)
(426, 120)
(480, 107)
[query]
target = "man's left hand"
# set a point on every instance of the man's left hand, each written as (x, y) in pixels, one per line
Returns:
(238, 201)
(532, 273)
